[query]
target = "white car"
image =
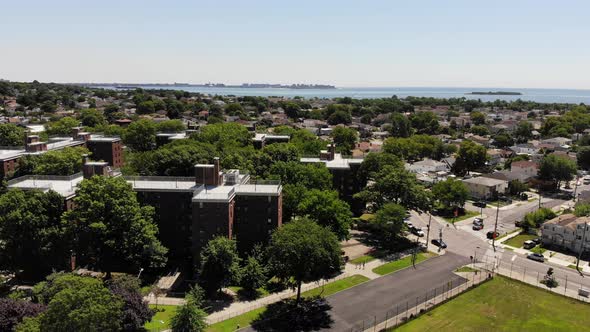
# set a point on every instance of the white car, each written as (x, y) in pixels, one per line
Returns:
(418, 232)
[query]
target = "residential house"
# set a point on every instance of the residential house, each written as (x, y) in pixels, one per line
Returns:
(485, 187)
(567, 232)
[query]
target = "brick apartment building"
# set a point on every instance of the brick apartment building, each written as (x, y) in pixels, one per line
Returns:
(344, 175)
(190, 210)
(108, 149)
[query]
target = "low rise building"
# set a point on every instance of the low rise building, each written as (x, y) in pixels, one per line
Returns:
(567, 232)
(485, 187)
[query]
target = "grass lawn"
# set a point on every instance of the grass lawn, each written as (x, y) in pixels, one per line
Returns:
(538, 250)
(401, 263)
(362, 259)
(367, 216)
(246, 319)
(468, 214)
(505, 305)
(518, 240)
(161, 320)
(466, 269)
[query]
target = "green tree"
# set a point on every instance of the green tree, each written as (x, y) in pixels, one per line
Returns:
(170, 126)
(234, 109)
(146, 107)
(388, 224)
(189, 318)
(502, 140)
(395, 185)
(340, 117)
(516, 187)
(557, 169)
(480, 130)
(524, 132)
(223, 135)
(111, 230)
(478, 118)
(62, 127)
(253, 275)
(31, 232)
(471, 156)
(92, 118)
(11, 135)
(304, 251)
(424, 122)
(345, 138)
(450, 193)
(76, 303)
(308, 175)
(220, 264)
(292, 109)
(66, 161)
(400, 125)
(141, 135)
(328, 210)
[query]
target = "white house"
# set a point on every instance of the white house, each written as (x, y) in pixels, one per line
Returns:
(427, 166)
(567, 232)
(485, 187)
(525, 169)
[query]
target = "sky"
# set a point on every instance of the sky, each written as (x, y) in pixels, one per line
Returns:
(370, 43)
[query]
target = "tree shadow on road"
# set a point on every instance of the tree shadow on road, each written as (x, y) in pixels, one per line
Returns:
(312, 314)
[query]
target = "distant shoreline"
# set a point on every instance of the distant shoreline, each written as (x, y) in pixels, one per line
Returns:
(495, 93)
(210, 85)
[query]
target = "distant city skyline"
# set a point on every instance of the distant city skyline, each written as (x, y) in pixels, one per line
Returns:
(425, 43)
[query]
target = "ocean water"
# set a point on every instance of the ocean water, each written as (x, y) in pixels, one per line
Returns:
(537, 95)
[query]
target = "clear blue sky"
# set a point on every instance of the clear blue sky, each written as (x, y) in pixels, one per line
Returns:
(517, 43)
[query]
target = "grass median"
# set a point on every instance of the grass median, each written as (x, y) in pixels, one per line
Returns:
(328, 289)
(399, 264)
(503, 304)
(517, 241)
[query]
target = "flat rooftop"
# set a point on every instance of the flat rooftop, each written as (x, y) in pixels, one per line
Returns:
(63, 185)
(338, 162)
(162, 183)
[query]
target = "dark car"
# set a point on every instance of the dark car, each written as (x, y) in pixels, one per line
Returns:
(536, 257)
(481, 204)
(439, 243)
(537, 240)
(477, 227)
(492, 235)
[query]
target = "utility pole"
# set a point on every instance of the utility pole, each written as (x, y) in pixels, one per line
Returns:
(496, 226)
(428, 230)
(576, 187)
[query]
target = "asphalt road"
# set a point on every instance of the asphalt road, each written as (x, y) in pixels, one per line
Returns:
(376, 297)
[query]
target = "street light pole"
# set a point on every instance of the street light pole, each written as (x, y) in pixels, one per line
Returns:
(428, 231)
(496, 226)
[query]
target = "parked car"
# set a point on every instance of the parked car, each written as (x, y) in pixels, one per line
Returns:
(439, 243)
(478, 221)
(537, 240)
(481, 204)
(409, 225)
(492, 235)
(529, 244)
(477, 227)
(417, 231)
(536, 257)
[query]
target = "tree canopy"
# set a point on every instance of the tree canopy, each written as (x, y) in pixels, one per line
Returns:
(109, 228)
(557, 169)
(304, 251)
(219, 264)
(471, 156)
(328, 210)
(450, 193)
(11, 135)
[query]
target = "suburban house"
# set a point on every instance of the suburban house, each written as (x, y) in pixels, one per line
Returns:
(427, 166)
(485, 187)
(525, 169)
(567, 232)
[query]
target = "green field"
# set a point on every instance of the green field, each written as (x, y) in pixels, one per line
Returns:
(466, 269)
(518, 240)
(505, 305)
(401, 263)
(246, 319)
(161, 320)
(467, 215)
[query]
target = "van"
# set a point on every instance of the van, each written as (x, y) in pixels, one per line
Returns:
(529, 244)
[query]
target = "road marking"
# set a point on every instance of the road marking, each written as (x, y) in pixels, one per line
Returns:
(513, 258)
